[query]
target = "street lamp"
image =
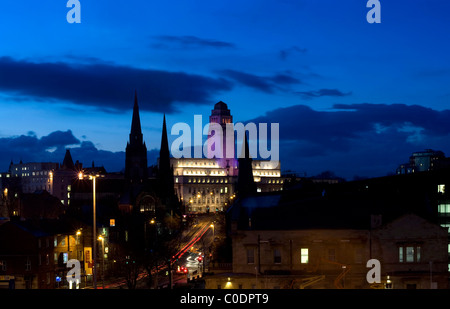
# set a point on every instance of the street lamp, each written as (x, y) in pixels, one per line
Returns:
(94, 225)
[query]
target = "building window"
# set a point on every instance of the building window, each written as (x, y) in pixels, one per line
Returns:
(28, 263)
(409, 254)
(277, 256)
(441, 188)
(3, 265)
(444, 209)
(304, 254)
(250, 256)
(332, 254)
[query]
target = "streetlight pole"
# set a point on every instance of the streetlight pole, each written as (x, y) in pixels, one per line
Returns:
(103, 260)
(94, 233)
(94, 228)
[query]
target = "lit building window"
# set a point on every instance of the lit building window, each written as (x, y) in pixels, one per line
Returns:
(112, 222)
(444, 208)
(441, 188)
(409, 254)
(304, 254)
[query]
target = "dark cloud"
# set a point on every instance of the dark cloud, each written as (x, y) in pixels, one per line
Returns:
(52, 148)
(357, 139)
(284, 53)
(322, 93)
(59, 139)
(188, 41)
(266, 84)
(107, 87)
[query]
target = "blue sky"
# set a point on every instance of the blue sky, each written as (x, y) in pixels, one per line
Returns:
(376, 92)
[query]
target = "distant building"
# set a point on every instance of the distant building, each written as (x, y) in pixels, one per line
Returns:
(422, 161)
(209, 185)
(34, 175)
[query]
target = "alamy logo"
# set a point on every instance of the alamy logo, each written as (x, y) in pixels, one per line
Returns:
(374, 15)
(221, 141)
(74, 274)
(74, 15)
(373, 275)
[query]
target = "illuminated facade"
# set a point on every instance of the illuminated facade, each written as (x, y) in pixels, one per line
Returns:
(209, 185)
(34, 176)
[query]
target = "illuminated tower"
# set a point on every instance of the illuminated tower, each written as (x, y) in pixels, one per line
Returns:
(221, 115)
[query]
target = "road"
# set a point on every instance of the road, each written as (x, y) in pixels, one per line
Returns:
(195, 242)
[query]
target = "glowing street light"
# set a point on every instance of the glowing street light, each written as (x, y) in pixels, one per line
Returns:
(81, 176)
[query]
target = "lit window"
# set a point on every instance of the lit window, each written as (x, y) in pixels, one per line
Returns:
(441, 188)
(444, 208)
(304, 255)
(409, 254)
(112, 222)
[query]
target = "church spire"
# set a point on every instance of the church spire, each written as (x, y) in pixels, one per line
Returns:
(136, 131)
(136, 151)
(165, 169)
(164, 150)
(245, 183)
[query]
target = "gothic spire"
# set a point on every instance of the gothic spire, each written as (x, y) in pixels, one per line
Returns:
(245, 184)
(165, 168)
(136, 151)
(136, 131)
(164, 150)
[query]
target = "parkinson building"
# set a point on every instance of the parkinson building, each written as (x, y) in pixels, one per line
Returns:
(209, 184)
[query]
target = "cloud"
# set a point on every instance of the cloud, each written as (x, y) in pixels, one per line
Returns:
(322, 93)
(357, 139)
(266, 84)
(284, 53)
(188, 41)
(52, 148)
(59, 139)
(105, 86)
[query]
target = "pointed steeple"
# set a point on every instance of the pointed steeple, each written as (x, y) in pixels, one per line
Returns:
(68, 162)
(136, 131)
(136, 151)
(164, 150)
(165, 173)
(246, 184)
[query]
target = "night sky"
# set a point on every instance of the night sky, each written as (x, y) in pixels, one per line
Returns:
(351, 97)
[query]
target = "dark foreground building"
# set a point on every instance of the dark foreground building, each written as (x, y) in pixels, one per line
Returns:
(322, 236)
